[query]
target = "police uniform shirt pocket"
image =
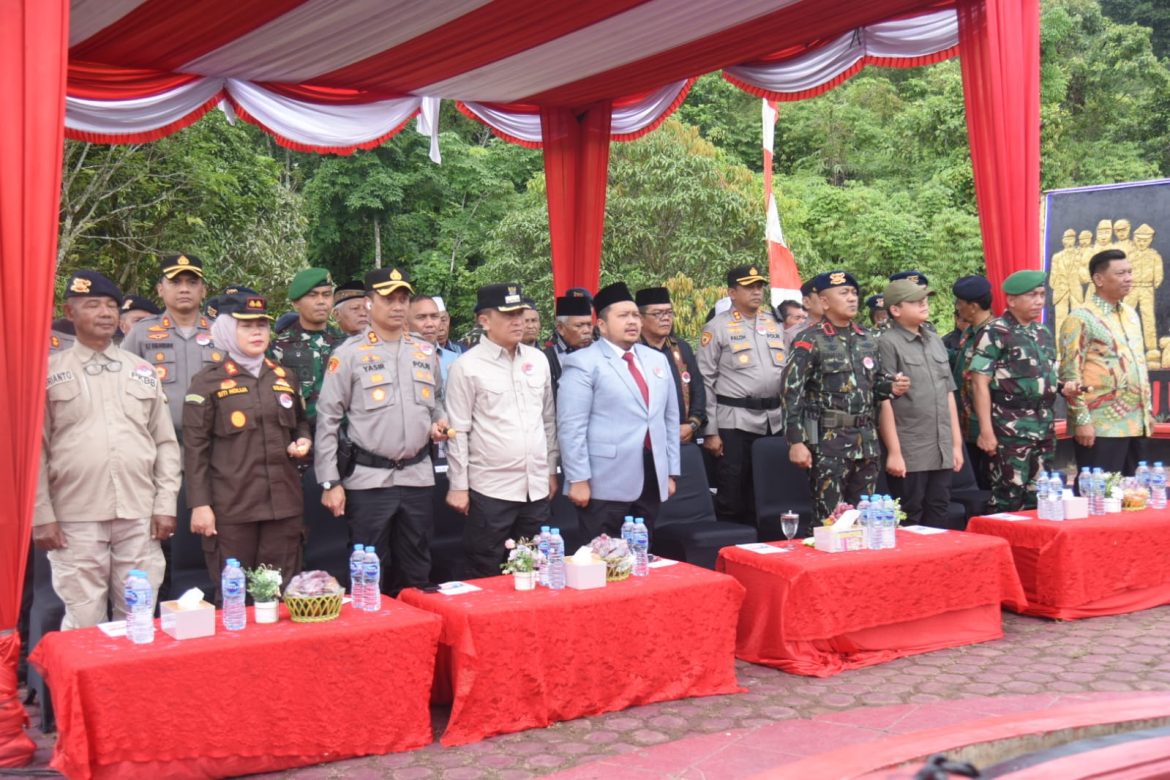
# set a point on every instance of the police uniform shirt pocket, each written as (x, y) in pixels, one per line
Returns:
(424, 387)
(376, 387)
(286, 412)
(138, 399)
(163, 359)
(235, 414)
(63, 396)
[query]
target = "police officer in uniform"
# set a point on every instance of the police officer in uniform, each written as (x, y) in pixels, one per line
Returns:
(387, 383)
(574, 330)
(832, 386)
(658, 333)
(134, 308)
(741, 354)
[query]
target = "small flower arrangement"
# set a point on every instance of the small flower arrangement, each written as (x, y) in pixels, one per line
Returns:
(523, 556)
(619, 561)
(264, 583)
(841, 509)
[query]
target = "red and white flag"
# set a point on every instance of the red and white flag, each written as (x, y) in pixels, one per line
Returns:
(782, 273)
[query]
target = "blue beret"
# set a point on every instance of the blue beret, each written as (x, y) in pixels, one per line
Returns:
(971, 288)
(875, 302)
(91, 284)
(917, 277)
(835, 279)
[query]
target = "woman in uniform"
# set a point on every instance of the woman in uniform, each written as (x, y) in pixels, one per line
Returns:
(244, 429)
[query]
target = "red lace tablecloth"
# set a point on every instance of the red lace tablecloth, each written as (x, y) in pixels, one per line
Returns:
(1106, 565)
(512, 660)
(259, 700)
(816, 613)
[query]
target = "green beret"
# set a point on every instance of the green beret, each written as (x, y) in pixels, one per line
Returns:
(306, 280)
(1023, 282)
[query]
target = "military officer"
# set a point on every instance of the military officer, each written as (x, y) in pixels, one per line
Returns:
(1014, 384)
(832, 386)
(305, 346)
(387, 383)
(574, 330)
(349, 307)
(741, 354)
(178, 341)
(658, 332)
(109, 469)
(877, 310)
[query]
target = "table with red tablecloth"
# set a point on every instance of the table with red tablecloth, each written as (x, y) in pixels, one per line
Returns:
(259, 700)
(817, 613)
(511, 660)
(1105, 565)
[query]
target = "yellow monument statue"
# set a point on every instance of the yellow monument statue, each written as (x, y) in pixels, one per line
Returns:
(1064, 275)
(1147, 277)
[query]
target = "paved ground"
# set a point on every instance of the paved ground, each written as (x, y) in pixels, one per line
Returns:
(1038, 659)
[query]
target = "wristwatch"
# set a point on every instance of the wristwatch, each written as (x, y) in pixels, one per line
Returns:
(328, 485)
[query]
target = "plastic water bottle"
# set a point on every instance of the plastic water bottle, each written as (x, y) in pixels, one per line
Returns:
(371, 580)
(235, 616)
(877, 518)
(139, 598)
(543, 542)
(628, 531)
(864, 510)
(556, 560)
(1097, 501)
(1158, 486)
(356, 586)
(1143, 475)
(1041, 487)
(1084, 483)
(889, 524)
(641, 538)
(1056, 496)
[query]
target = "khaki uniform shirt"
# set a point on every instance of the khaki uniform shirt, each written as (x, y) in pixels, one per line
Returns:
(176, 358)
(236, 432)
(109, 449)
(501, 408)
(740, 358)
(922, 415)
(390, 392)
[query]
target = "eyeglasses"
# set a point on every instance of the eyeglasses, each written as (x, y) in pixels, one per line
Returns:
(660, 314)
(95, 369)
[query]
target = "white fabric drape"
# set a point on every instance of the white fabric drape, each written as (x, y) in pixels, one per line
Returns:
(139, 115)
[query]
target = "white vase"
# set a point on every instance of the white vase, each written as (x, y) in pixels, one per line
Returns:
(524, 580)
(266, 611)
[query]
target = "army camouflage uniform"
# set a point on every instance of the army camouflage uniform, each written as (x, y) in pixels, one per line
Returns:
(832, 386)
(306, 352)
(1021, 361)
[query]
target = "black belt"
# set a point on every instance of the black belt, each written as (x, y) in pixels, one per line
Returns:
(369, 459)
(831, 418)
(1008, 401)
(756, 404)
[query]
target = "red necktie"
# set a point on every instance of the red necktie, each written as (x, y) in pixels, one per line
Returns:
(640, 381)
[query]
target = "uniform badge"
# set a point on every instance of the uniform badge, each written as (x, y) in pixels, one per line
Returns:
(203, 339)
(379, 394)
(239, 419)
(426, 392)
(143, 370)
(334, 364)
(161, 372)
(377, 379)
(426, 347)
(160, 357)
(706, 339)
(744, 359)
(658, 372)
(286, 400)
(280, 372)
(803, 345)
(231, 368)
(54, 342)
(194, 398)
(227, 384)
(158, 336)
(867, 361)
(686, 377)
(157, 329)
(373, 337)
(527, 368)
(217, 356)
(736, 316)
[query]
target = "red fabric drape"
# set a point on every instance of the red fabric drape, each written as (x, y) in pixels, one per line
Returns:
(33, 39)
(576, 167)
(999, 44)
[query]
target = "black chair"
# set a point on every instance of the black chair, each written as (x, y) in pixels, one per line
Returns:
(447, 537)
(780, 487)
(686, 528)
(327, 546)
(956, 519)
(965, 491)
(46, 615)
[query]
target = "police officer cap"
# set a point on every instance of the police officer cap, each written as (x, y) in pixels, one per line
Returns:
(236, 289)
(971, 288)
(875, 302)
(91, 284)
(138, 303)
(915, 276)
(386, 280)
(611, 294)
(244, 306)
(574, 303)
(838, 278)
(173, 265)
(211, 306)
(502, 297)
(306, 280)
(744, 275)
(650, 296)
(348, 291)
(1023, 282)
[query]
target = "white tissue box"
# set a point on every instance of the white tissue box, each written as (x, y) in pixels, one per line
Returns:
(830, 539)
(1076, 508)
(584, 576)
(187, 623)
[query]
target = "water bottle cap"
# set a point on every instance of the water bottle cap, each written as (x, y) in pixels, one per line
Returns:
(232, 562)
(629, 518)
(369, 549)
(358, 548)
(1142, 463)
(544, 529)
(1157, 464)
(555, 531)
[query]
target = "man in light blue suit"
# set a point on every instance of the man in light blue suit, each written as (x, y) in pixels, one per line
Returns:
(617, 420)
